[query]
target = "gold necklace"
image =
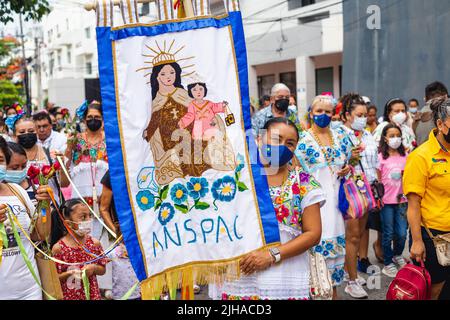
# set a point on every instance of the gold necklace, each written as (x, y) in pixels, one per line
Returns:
(323, 147)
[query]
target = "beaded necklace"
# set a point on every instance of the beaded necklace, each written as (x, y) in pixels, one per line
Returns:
(323, 147)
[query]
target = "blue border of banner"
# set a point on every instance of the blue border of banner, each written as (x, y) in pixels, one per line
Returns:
(105, 36)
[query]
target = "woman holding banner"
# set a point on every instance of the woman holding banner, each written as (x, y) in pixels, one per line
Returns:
(282, 273)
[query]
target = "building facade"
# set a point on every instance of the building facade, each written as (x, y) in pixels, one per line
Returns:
(297, 42)
(68, 73)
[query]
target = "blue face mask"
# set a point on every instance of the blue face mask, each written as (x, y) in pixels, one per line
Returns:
(2, 173)
(16, 177)
(322, 120)
(276, 156)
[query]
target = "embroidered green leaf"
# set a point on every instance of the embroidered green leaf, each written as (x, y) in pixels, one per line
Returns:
(158, 204)
(181, 207)
(202, 205)
(237, 175)
(241, 186)
(164, 193)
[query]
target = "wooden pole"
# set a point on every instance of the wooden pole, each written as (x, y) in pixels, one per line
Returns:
(188, 8)
(92, 5)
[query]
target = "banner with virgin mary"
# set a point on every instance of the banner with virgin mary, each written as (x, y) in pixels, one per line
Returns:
(189, 190)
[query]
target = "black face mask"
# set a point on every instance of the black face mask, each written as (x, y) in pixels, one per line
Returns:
(27, 140)
(55, 127)
(94, 124)
(282, 104)
(447, 136)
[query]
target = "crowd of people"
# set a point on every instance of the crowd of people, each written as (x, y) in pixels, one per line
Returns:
(402, 158)
(71, 235)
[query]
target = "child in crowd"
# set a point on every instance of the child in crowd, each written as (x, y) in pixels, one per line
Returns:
(78, 247)
(394, 224)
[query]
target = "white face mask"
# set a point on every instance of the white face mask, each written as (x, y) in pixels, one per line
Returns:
(395, 143)
(84, 228)
(413, 110)
(336, 124)
(359, 124)
(399, 118)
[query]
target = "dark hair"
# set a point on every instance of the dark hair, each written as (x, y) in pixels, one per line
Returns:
(155, 72)
(42, 116)
(265, 98)
(373, 107)
(17, 148)
(93, 106)
(435, 90)
(279, 120)
(349, 103)
(388, 107)
(384, 146)
(414, 100)
(4, 148)
(440, 108)
(53, 111)
(192, 85)
(58, 227)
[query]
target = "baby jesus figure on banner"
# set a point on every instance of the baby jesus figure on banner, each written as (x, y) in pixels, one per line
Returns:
(208, 126)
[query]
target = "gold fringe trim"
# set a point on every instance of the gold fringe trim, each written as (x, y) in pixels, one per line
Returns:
(184, 277)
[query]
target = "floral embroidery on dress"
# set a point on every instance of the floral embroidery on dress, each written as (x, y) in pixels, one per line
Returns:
(86, 153)
(331, 248)
(312, 156)
(287, 199)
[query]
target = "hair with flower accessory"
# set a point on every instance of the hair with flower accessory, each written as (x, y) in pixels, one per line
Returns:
(11, 121)
(81, 110)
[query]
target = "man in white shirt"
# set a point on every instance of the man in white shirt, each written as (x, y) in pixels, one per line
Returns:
(52, 140)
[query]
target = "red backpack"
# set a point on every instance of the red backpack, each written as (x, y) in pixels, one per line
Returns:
(411, 283)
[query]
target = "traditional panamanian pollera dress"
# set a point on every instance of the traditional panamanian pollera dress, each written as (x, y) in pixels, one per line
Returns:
(323, 163)
(288, 280)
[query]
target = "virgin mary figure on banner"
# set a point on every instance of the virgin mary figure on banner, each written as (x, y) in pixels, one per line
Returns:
(189, 189)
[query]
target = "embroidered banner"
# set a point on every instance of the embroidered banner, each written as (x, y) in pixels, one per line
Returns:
(190, 195)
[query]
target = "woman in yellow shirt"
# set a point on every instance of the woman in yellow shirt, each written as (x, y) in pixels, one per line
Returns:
(427, 185)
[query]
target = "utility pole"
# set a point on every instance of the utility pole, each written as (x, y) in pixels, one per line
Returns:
(25, 69)
(37, 43)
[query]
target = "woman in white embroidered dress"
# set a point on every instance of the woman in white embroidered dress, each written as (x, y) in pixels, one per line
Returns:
(281, 273)
(324, 153)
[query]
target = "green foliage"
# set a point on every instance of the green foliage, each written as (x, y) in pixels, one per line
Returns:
(9, 93)
(30, 9)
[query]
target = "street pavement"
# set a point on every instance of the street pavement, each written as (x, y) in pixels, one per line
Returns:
(377, 285)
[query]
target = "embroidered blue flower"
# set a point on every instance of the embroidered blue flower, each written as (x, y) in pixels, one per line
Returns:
(145, 200)
(341, 241)
(309, 152)
(240, 162)
(224, 189)
(316, 155)
(302, 146)
(166, 213)
(325, 253)
(341, 273)
(312, 160)
(179, 193)
(319, 249)
(329, 246)
(197, 187)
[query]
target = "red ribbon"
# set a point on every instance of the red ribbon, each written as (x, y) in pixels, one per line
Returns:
(177, 4)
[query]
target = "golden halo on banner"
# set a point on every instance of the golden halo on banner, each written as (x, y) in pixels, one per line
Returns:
(164, 56)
